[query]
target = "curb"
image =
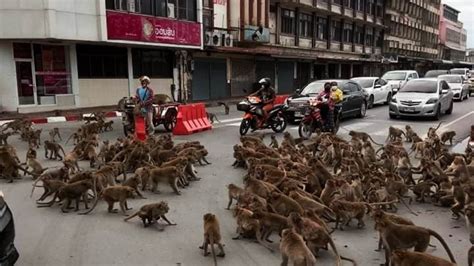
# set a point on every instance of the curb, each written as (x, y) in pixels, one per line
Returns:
(67, 118)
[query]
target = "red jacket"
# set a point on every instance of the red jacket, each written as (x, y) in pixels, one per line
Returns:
(148, 101)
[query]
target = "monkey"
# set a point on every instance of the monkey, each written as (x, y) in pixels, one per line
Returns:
(377, 214)
(328, 192)
(260, 188)
(293, 248)
(310, 204)
(348, 210)
(71, 161)
(61, 174)
(151, 213)
(423, 189)
(36, 167)
(226, 107)
(448, 135)
(10, 163)
(72, 192)
(76, 137)
(409, 133)
(394, 133)
(212, 235)
(114, 194)
(470, 256)
(270, 222)
(398, 236)
(144, 174)
(4, 136)
(134, 182)
(212, 117)
(54, 149)
(288, 139)
(107, 126)
(53, 133)
(362, 136)
(274, 142)
(90, 154)
(469, 216)
(51, 186)
(284, 205)
(410, 258)
(234, 193)
(459, 169)
(459, 198)
(432, 131)
(169, 174)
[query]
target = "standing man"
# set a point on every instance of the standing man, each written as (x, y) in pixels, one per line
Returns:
(145, 98)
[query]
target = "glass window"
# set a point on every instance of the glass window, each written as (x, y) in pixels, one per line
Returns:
(451, 78)
(146, 7)
(359, 5)
(371, 7)
(380, 8)
(160, 8)
(51, 71)
(152, 63)
(287, 21)
(94, 61)
(422, 86)
(364, 82)
(322, 24)
(369, 38)
(306, 28)
(336, 31)
(347, 32)
(359, 35)
(22, 50)
(338, 2)
(313, 88)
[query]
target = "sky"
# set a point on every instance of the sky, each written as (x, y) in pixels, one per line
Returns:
(466, 16)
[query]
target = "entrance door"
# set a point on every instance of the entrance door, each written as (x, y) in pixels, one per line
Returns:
(209, 80)
(25, 84)
(286, 72)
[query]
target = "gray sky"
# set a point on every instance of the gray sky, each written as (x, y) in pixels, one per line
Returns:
(466, 16)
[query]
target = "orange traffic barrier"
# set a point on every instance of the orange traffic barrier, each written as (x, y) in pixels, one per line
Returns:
(140, 128)
(191, 118)
(280, 99)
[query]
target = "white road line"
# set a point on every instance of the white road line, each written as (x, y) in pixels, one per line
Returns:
(4, 122)
(231, 120)
(444, 127)
(55, 119)
(357, 126)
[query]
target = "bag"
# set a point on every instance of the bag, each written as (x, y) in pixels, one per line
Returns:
(11, 256)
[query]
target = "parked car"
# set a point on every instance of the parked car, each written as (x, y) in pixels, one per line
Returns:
(470, 83)
(8, 253)
(378, 90)
(436, 73)
(466, 72)
(396, 79)
(457, 84)
(427, 97)
(354, 103)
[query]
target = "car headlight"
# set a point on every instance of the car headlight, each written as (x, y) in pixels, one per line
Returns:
(393, 100)
(432, 101)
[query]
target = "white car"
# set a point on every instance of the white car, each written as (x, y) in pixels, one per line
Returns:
(458, 86)
(378, 89)
(396, 79)
(461, 71)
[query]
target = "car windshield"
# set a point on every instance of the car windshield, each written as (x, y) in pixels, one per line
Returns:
(394, 76)
(364, 83)
(458, 71)
(421, 86)
(451, 79)
(313, 88)
(435, 73)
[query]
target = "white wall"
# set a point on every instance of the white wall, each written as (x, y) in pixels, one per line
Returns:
(8, 86)
(102, 92)
(57, 19)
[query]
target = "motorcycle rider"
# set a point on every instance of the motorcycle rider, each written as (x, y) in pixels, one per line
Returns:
(267, 95)
(145, 97)
(327, 108)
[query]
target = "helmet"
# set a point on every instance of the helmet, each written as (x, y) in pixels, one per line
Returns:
(266, 82)
(145, 78)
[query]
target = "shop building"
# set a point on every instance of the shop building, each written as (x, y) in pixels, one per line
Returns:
(85, 53)
(292, 42)
(452, 35)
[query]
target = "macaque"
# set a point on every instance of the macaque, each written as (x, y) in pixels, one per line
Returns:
(212, 235)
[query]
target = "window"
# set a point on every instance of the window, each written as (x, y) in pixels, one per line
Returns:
(322, 26)
(369, 37)
(288, 21)
(152, 63)
(336, 31)
(359, 5)
(306, 25)
(181, 9)
(371, 7)
(95, 61)
(349, 3)
(123, 5)
(51, 71)
(359, 35)
(378, 38)
(338, 2)
(379, 8)
(347, 32)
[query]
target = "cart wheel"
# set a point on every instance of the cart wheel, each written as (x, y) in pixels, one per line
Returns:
(170, 119)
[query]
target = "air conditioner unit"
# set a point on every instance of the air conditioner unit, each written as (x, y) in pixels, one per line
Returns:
(228, 40)
(216, 38)
(132, 6)
(208, 38)
(171, 13)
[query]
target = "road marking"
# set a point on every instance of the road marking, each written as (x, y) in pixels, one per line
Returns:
(444, 127)
(3, 122)
(356, 126)
(55, 119)
(231, 120)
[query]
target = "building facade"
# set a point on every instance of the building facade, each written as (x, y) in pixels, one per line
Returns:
(470, 55)
(452, 35)
(412, 33)
(292, 42)
(84, 53)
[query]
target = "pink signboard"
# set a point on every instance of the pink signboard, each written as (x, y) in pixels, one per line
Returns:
(133, 27)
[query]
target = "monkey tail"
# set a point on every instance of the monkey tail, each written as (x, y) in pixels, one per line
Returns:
(349, 259)
(334, 249)
(94, 188)
(438, 125)
(445, 245)
(69, 138)
(213, 251)
(61, 148)
(406, 205)
(375, 142)
(35, 185)
(131, 216)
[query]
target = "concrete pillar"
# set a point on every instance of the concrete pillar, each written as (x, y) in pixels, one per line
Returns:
(74, 74)
(352, 71)
(8, 82)
(339, 71)
(130, 70)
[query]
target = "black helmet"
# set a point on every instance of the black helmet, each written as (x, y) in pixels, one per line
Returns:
(266, 82)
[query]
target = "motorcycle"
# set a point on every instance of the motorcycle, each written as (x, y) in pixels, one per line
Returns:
(252, 107)
(313, 120)
(8, 253)
(165, 114)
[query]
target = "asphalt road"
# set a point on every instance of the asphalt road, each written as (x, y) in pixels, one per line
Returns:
(46, 236)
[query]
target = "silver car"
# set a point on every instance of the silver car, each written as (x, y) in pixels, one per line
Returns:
(457, 84)
(428, 97)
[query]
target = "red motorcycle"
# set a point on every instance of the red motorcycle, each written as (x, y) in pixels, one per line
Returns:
(252, 107)
(313, 120)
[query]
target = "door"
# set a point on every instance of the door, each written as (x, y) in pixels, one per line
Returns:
(303, 74)
(209, 80)
(444, 97)
(347, 100)
(378, 92)
(25, 82)
(201, 82)
(285, 76)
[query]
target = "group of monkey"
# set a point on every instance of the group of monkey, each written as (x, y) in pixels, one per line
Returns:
(296, 188)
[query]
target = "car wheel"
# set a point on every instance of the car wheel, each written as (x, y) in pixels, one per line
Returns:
(438, 113)
(370, 105)
(450, 110)
(362, 110)
(389, 97)
(392, 116)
